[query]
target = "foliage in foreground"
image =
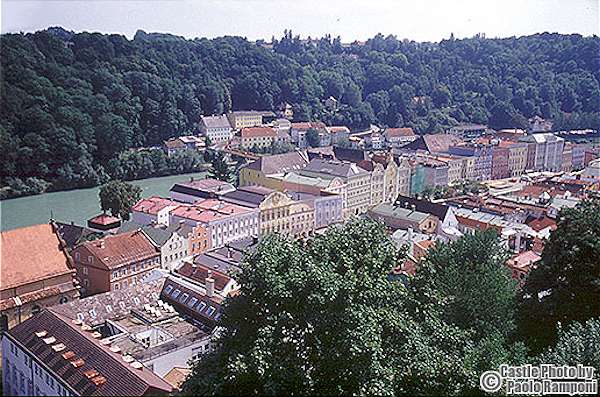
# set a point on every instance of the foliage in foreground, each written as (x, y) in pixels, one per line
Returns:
(565, 287)
(323, 318)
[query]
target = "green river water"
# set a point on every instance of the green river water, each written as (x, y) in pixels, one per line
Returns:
(73, 205)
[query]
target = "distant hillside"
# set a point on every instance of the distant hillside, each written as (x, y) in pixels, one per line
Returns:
(73, 102)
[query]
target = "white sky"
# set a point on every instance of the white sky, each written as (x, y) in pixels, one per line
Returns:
(421, 20)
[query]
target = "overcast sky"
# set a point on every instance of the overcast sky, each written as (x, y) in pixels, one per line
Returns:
(421, 20)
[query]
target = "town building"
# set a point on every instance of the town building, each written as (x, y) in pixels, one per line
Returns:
(172, 241)
(278, 211)
(328, 206)
(103, 223)
(517, 157)
(357, 181)
(216, 128)
(198, 189)
(483, 158)
(114, 262)
(469, 131)
(397, 137)
(245, 118)
(257, 137)
(153, 210)
(547, 151)
(73, 235)
(182, 143)
(404, 175)
(397, 217)
(521, 264)
(500, 160)
(567, 157)
(36, 272)
(337, 135)
(225, 222)
(448, 227)
(53, 354)
(434, 143)
(300, 130)
(259, 171)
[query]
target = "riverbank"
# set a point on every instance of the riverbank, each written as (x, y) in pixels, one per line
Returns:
(74, 205)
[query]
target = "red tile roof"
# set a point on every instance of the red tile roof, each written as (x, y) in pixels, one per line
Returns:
(398, 132)
(542, 223)
(303, 126)
(30, 254)
(153, 205)
(209, 210)
(252, 132)
(200, 273)
(104, 220)
(524, 260)
(120, 249)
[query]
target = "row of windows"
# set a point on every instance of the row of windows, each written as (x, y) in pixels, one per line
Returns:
(134, 268)
(192, 302)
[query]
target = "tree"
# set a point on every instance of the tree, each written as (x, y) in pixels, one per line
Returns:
(312, 137)
(472, 274)
(118, 198)
(219, 169)
(565, 287)
(577, 344)
(321, 317)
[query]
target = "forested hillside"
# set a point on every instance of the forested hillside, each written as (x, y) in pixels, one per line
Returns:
(73, 104)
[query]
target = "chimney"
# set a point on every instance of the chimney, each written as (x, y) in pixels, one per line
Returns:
(410, 234)
(210, 285)
(101, 243)
(413, 207)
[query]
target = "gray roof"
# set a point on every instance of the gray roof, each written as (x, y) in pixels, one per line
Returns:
(280, 163)
(216, 121)
(332, 168)
(159, 234)
(248, 196)
(386, 209)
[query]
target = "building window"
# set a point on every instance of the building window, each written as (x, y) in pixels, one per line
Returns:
(35, 309)
(85, 270)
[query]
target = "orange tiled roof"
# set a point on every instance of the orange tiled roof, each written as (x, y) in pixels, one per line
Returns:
(120, 249)
(31, 254)
(397, 132)
(252, 132)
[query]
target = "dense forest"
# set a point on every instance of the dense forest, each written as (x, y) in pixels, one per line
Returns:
(73, 105)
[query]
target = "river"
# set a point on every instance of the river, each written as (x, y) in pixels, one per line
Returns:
(73, 205)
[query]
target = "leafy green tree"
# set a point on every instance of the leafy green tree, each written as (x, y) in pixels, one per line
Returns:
(312, 138)
(321, 317)
(118, 198)
(565, 286)
(471, 273)
(579, 343)
(219, 169)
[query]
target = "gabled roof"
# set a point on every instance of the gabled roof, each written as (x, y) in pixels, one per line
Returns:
(30, 254)
(159, 234)
(280, 163)
(332, 168)
(99, 371)
(436, 209)
(216, 121)
(253, 132)
(352, 155)
(305, 126)
(191, 298)
(199, 272)
(248, 196)
(399, 132)
(153, 205)
(73, 234)
(120, 249)
(434, 143)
